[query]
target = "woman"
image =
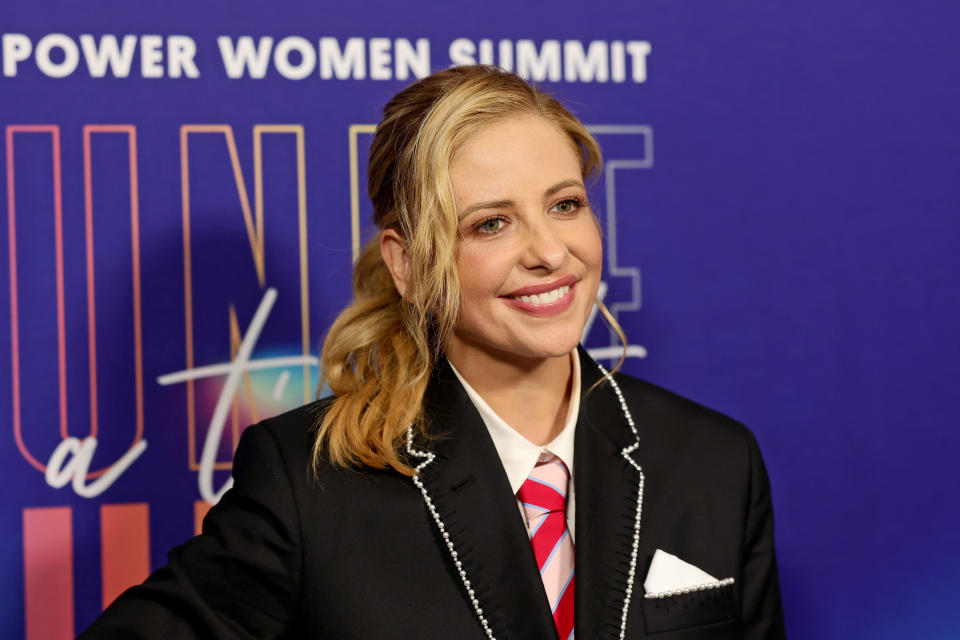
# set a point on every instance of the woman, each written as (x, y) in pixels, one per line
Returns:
(476, 474)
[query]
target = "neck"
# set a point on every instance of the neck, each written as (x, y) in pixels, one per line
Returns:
(531, 395)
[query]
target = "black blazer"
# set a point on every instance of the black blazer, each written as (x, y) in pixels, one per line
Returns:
(359, 554)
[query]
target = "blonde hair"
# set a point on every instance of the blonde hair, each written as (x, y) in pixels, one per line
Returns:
(380, 350)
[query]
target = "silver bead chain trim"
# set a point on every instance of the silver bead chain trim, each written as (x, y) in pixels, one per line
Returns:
(427, 458)
(625, 452)
(706, 586)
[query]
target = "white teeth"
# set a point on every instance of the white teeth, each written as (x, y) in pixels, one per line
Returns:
(546, 297)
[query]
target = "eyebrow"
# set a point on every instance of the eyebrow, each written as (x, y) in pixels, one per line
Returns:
(504, 204)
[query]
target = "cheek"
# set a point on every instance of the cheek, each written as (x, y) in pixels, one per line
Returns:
(487, 262)
(479, 271)
(588, 246)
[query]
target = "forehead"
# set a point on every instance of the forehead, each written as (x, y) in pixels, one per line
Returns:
(511, 156)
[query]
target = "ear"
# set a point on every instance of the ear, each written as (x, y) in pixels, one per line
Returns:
(393, 250)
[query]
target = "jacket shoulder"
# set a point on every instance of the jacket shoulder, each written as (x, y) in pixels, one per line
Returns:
(293, 433)
(295, 423)
(680, 419)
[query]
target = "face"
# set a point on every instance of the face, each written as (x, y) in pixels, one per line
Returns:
(529, 254)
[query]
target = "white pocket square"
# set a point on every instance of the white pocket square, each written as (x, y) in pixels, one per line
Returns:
(669, 575)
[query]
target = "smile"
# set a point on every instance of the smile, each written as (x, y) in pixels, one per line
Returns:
(546, 297)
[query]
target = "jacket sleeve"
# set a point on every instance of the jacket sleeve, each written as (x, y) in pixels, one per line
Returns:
(239, 578)
(761, 612)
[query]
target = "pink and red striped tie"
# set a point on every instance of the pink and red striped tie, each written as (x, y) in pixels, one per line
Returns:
(544, 499)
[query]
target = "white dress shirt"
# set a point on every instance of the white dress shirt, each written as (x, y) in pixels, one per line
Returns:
(518, 455)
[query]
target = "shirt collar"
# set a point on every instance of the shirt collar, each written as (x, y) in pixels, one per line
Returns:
(519, 455)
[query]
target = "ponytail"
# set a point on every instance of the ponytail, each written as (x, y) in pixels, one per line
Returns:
(377, 372)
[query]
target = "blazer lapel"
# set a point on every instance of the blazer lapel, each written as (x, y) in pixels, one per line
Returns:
(468, 489)
(609, 486)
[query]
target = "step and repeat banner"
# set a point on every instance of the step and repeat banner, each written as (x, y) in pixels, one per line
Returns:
(183, 193)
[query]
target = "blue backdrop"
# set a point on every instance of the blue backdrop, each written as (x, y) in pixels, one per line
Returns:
(780, 202)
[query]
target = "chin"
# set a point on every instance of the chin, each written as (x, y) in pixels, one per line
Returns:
(552, 348)
(512, 341)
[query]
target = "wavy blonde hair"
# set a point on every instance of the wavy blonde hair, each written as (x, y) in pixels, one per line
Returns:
(379, 352)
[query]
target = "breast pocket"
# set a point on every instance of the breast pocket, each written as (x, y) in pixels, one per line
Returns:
(708, 605)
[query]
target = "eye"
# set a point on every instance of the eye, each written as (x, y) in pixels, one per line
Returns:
(490, 225)
(570, 205)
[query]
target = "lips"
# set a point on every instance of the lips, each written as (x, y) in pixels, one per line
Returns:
(542, 287)
(544, 299)
(547, 297)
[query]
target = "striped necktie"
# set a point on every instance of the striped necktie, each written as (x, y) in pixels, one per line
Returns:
(544, 498)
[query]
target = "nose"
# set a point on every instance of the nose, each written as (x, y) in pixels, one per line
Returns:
(545, 247)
